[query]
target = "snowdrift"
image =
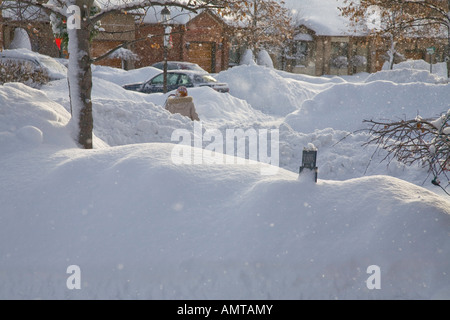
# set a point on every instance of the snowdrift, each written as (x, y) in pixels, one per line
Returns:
(345, 106)
(28, 117)
(140, 227)
(266, 90)
(122, 77)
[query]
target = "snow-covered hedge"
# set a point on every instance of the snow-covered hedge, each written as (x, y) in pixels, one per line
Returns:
(24, 72)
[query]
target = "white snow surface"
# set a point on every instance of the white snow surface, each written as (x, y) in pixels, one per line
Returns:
(323, 17)
(140, 226)
(20, 40)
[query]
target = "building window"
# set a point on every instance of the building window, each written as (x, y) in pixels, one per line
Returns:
(339, 55)
(300, 52)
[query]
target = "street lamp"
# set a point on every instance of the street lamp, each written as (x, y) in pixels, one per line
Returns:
(165, 17)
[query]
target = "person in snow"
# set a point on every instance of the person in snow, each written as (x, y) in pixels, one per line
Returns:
(182, 103)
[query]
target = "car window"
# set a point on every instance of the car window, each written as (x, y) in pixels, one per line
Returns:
(185, 80)
(172, 79)
(159, 79)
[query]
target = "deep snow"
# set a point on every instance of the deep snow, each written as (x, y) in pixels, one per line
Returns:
(140, 226)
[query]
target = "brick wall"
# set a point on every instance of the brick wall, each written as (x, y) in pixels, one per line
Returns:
(151, 49)
(118, 28)
(40, 34)
(205, 28)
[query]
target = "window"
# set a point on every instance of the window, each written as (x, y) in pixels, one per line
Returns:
(172, 79)
(159, 79)
(300, 50)
(339, 49)
(184, 80)
(339, 53)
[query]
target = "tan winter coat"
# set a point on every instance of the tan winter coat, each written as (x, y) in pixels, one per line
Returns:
(182, 105)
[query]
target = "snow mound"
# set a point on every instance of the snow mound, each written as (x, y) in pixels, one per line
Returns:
(120, 122)
(264, 59)
(266, 90)
(218, 109)
(345, 106)
(101, 89)
(406, 76)
(122, 77)
(141, 227)
(439, 69)
(126, 117)
(29, 118)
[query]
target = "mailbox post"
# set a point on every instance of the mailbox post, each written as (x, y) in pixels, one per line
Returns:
(309, 158)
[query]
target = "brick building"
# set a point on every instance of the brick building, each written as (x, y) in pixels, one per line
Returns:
(201, 39)
(118, 29)
(317, 54)
(326, 43)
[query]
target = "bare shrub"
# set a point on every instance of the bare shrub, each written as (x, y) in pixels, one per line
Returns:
(422, 141)
(24, 72)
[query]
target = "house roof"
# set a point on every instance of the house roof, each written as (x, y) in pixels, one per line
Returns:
(178, 15)
(323, 17)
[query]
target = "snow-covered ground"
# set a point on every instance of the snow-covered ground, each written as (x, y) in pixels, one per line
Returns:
(139, 225)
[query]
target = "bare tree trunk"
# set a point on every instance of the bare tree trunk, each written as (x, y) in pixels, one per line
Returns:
(448, 39)
(80, 80)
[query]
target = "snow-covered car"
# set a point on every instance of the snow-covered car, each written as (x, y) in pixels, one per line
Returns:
(54, 69)
(177, 78)
(179, 65)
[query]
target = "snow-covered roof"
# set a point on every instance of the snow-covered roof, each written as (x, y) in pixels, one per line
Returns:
(323, 17)
(178, 15)
(303, 37)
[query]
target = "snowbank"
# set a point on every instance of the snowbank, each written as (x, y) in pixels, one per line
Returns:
(29, 118)
(265, 89)
(140, 227)
(122, 77)
(345, 106)
(401, 75)
(438, 69)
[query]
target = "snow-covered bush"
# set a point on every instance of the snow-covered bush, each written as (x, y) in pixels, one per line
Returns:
(264, 59)
(339, 62)
(358, 61)
(248, 58)
(24, 72)
(124, 54)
